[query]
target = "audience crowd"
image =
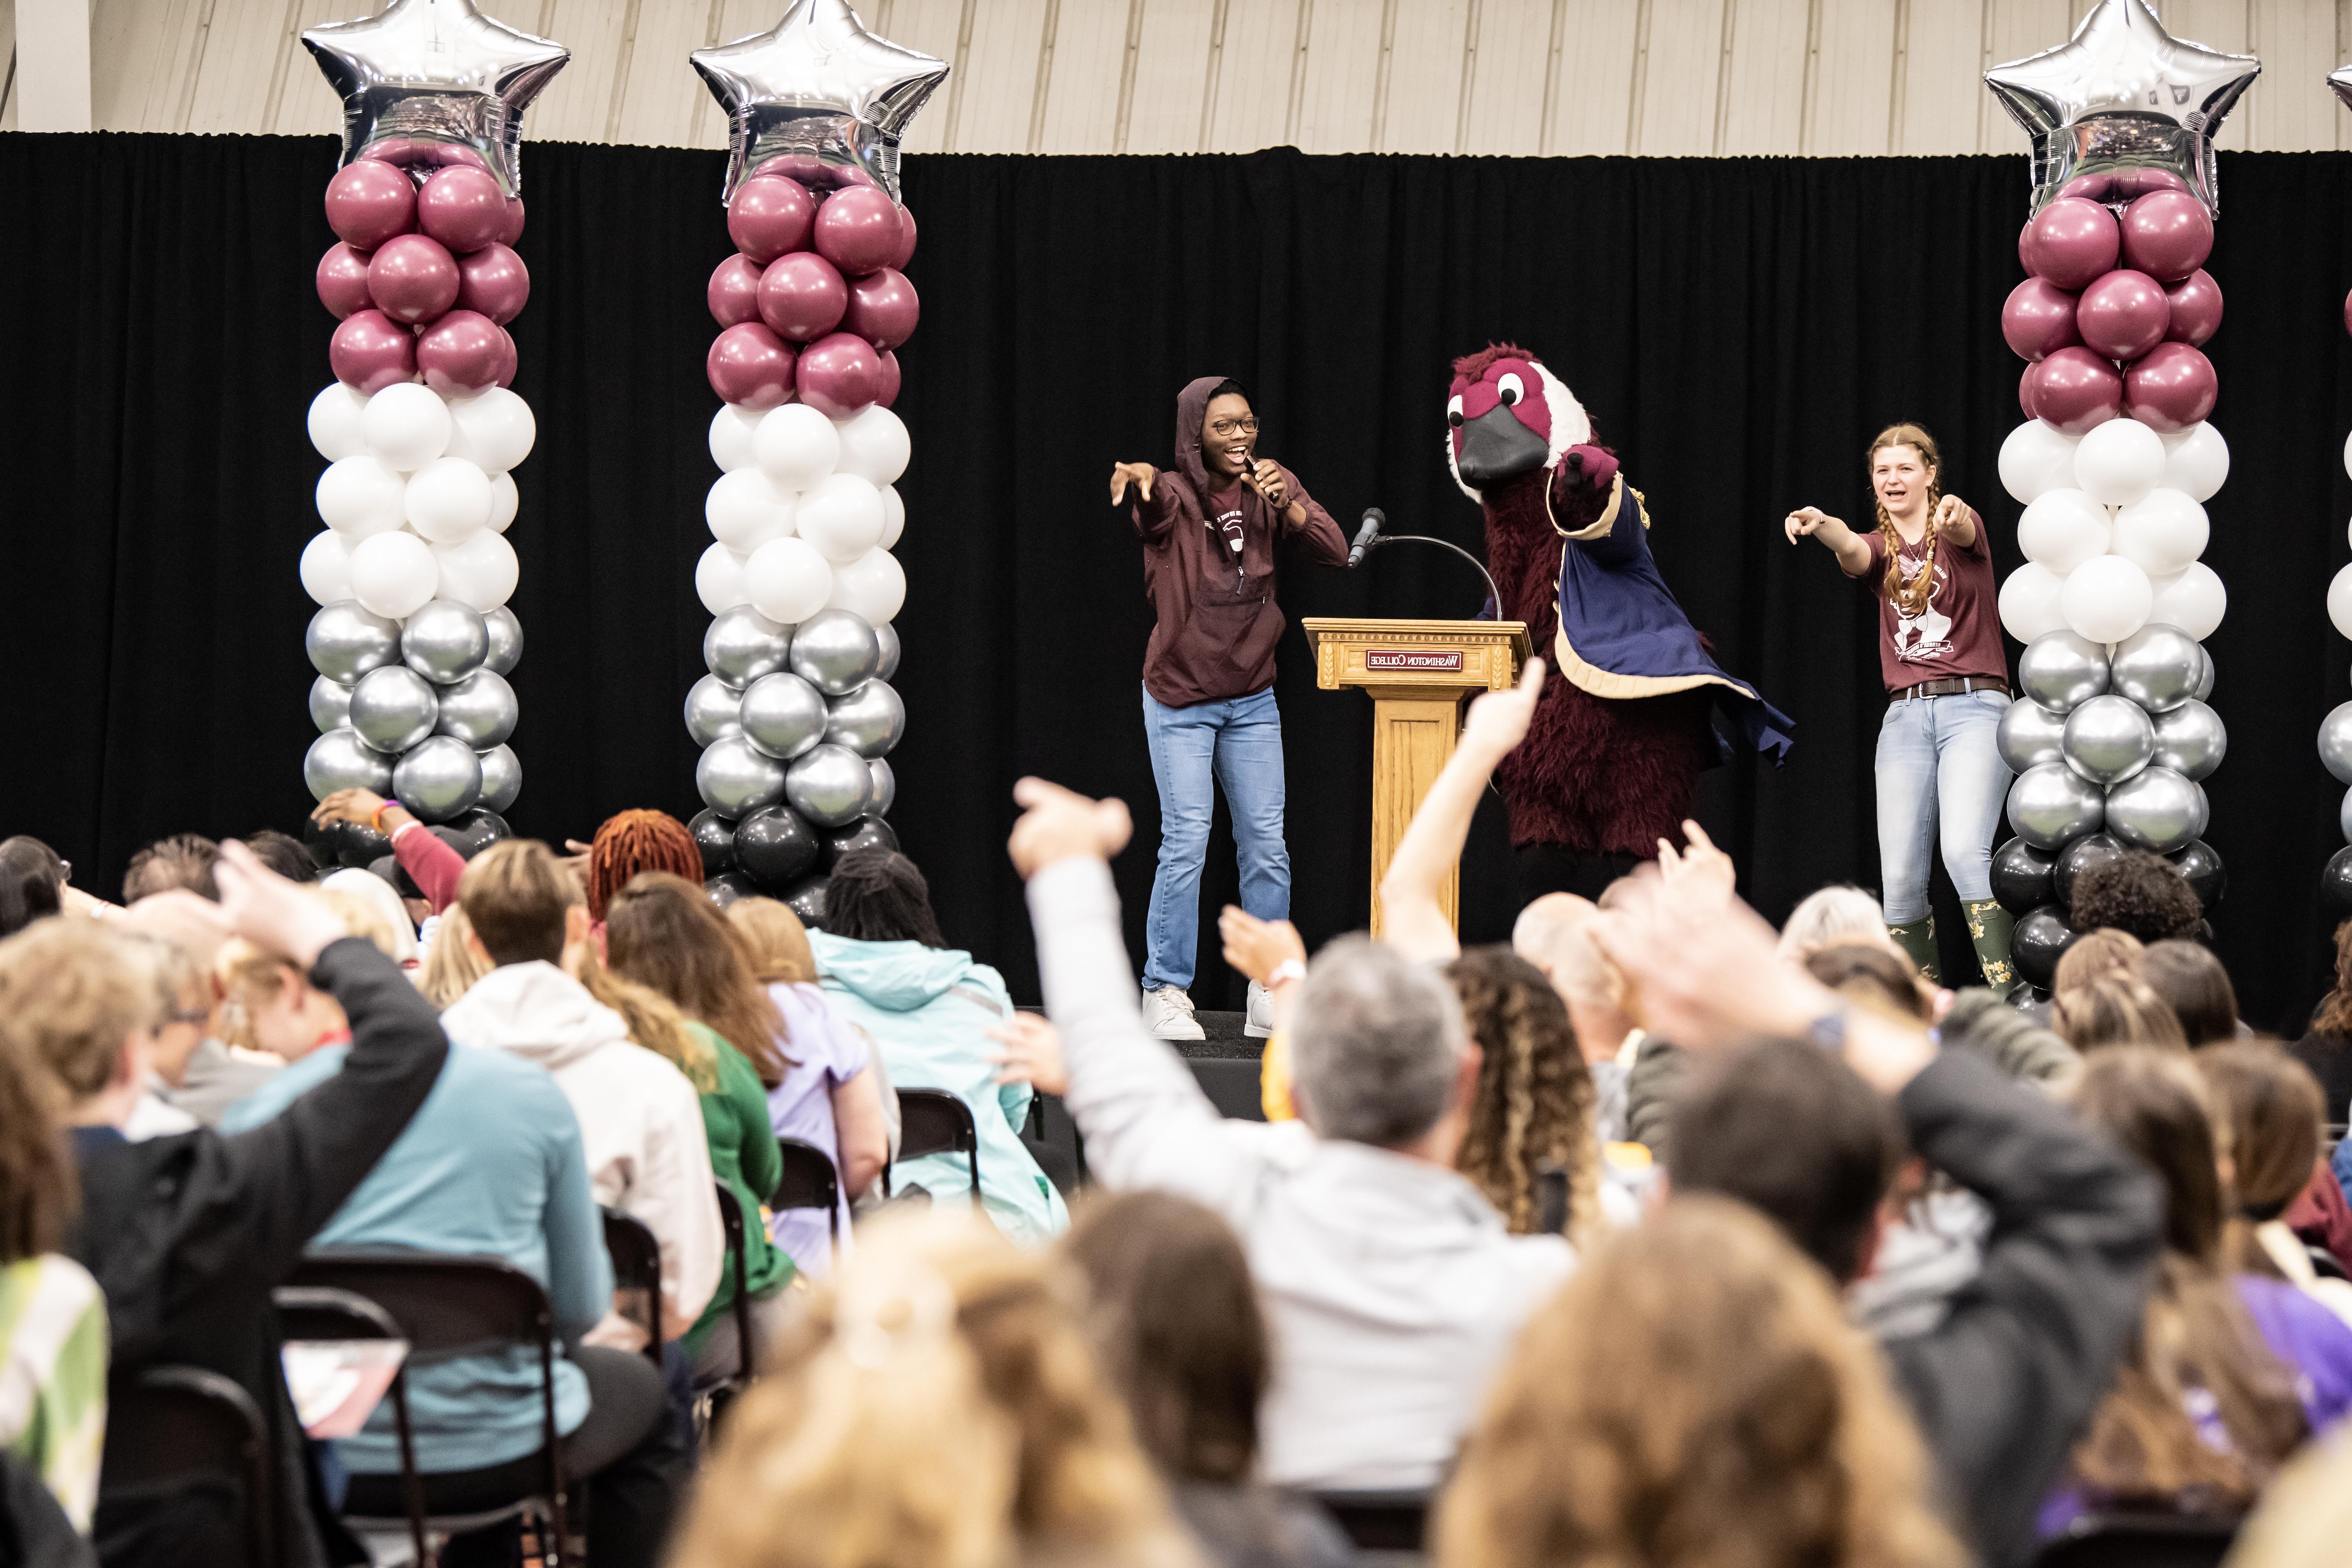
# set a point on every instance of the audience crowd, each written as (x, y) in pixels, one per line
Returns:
(1654, 1238)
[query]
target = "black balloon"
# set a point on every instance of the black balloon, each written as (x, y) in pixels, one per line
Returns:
(865, 833)
(2203, 868)
(359, 847)
(774, 848)
(2037, 942)
(714, 837)
(472, 832)
(2091, 850)
(807, 900)
(2020, 876)
(390, 869)
(2025, 998)
(728, 885)
(2335, 882)
(319, 839)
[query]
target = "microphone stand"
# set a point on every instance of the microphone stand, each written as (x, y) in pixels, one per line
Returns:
(1493, 595)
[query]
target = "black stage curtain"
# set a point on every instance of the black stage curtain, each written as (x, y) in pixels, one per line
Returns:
(1739, 329)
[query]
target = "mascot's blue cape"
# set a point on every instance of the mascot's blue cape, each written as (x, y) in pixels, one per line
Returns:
(1622, 633)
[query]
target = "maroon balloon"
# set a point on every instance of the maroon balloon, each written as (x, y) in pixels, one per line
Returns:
(342, 280)
(840, 374)
(2348, 312)
(494, 281)
(2071, 242)
(2171, 389)
(2166, 234)
(889, 385)
(463, 208)
(2025, 386)
(906, 251)
(802, 297)
(413, 278)
(2124, 314)
(371, 351)
(2196, 308)
(2038, 320)
(509, 359)
(461, 354)
(2025, 246)
(883, 309)
(2078, 391)
(770, 216)
(368, 203)
(733, 292)
(751, 365)
(858, 230)
(512, 229)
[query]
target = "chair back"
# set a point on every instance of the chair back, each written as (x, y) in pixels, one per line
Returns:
(170, 1429)
(730, 1226)
(2140, 1541)
(933, 1122)
(809, 1182)
(326, 1312)
(636, 1276)
(1380, 1521)
(2323, 1262)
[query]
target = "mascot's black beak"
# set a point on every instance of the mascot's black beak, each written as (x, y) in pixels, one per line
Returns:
(1495, 446)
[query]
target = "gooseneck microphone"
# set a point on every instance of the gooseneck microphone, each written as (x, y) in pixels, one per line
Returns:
(1374, 521)
(1370, 538)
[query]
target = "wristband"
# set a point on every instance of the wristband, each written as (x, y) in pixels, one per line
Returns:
(375, 818)
(402, 828)
(1289, 970)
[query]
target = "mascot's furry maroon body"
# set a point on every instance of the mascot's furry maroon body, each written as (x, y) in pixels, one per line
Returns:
(1609, 764)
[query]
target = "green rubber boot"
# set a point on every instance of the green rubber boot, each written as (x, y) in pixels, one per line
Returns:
(1989, 928)
(1917, 938)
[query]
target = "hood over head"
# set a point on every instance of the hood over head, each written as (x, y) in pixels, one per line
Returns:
(1191, 411)
(896, 977)
(534, 1010)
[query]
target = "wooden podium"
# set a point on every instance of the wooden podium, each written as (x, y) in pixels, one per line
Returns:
(1418, 673)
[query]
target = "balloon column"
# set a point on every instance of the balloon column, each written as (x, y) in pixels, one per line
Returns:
(413, 641)
(2110, 735)
(2335, 730)
(797, 712)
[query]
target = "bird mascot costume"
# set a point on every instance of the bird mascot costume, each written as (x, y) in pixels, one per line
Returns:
(1610, 762)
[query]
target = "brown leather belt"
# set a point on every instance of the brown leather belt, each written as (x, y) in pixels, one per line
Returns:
(1952, 686)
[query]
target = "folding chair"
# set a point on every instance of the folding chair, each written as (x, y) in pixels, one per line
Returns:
(173, 1428)
(933, 1122)
(636, 1267)
(809, 1182)
(1384, 1526)
(2141, 1540)
(731, 1225)
(322, 1312)
(2323, 1262)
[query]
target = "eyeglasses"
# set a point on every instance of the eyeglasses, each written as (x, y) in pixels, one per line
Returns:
(1224, 427)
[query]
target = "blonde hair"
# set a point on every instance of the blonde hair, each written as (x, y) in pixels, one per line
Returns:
(1827, 916)
(936, 1405)
(1555, 934)
(655, 1022)
(2105, 951)
(365, 920)
(1694, 1395)
(250, 974)
(451, 964)
(71, 992)
(779, 943)
(390, 915)
(1532, 1108)
(2117, 1008)
(1910, 595)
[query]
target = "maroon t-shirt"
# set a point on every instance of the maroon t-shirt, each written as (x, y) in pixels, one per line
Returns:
(1958, 632)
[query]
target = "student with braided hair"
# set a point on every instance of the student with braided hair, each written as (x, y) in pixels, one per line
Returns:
(1946, 686)
(1532, 1110)
(633, 841)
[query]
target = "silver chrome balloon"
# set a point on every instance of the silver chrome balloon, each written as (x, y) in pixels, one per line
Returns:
(835, 651)
(2158, 810)
(501, 777)
(2344, 816)
(2062, 671)
(2109, 739)
(2205, 674)
(886, 788)
(2190, 739)
(506, 639)
(888, 637)
(780, 714)
(345, 641)
(2336, 741)
(869, 721)
(340, 760)
(2157, 666)
(2029, 735)
(438, 778)
(445, 641)
(713, 710)
(830, 785)
(743, 645)
(394, 708)
(331, 704)
(2052, 804)
(480, 711)
(735, 779)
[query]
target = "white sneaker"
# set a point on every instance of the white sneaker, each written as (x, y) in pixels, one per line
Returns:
(1260, 1022)
(1168, 1015)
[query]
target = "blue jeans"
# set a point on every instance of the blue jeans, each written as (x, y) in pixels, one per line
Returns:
(1235, 745)
(1937, 764)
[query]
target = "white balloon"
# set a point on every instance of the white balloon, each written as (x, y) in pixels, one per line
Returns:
(361, 496)
(2162, 532)
(2347, 454)
(2028, 602)
(2195, 461)
(327, 567)
(795, 445)
(393, 574)
(894, 512)
(336, 427)
(874, 585)
(493, 430)
(2107, 598)
(2036, 459)
(874, 445)
(2194, 601)
(2061, 529)
(2339, 601)
(481, 572)
(787, 581)
(407, 425)
(718, 580)
(731, 437)
(2119, 461)
(745, 510)
(449, 500)
(843, 516)
(504, 502)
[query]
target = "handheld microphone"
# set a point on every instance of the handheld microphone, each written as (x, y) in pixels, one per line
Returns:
(1374, 521)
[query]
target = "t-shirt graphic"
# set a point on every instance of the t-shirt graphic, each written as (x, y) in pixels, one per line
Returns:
(1227, 523)
(1927, 635)
(1957, 632)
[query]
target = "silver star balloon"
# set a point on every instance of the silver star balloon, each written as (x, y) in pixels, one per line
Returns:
(819, 94)
(431, 82)
(2123, 108)
(2340, 80)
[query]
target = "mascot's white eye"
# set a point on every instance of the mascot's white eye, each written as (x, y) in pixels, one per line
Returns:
(1453, 411)
(1510, 390)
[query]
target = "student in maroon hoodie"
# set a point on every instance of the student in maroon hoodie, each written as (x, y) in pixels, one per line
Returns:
(1209, 527)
